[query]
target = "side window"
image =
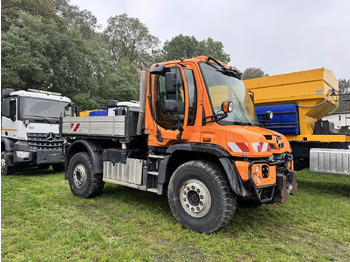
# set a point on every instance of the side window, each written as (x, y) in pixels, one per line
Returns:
(166, 119)
(192, 96)
(13, 109)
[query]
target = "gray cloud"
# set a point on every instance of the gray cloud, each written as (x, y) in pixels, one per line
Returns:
(277, 36)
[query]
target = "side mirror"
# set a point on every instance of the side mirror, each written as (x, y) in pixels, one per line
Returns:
(227, 106)
(170, 83)
(157, 69)
(112, 103)
(171, 105)
(6, 92)
(5, 108)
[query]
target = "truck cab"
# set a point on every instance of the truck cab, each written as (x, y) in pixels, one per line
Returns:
(29, 129)
(194, 137)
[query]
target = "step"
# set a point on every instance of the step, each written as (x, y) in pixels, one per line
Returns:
(153, 173)
(156, 156)
(153, 190)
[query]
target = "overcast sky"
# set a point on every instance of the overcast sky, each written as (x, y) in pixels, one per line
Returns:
(278, 36)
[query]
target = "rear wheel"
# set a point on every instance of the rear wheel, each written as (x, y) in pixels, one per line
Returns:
(81, 179)
(200, 197)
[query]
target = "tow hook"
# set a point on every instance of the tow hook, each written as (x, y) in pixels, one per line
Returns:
(285, 185)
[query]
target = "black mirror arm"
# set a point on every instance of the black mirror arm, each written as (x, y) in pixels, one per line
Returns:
(214, 118)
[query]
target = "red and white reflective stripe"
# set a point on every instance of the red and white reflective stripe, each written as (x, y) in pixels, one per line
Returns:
(238, 147)
(261, 147)
(75, 127)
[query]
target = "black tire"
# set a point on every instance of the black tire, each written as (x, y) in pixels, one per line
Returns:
(58, 167)
(45, 166)
(82, 181)
(207, 210)
(243, 203)
(4, 163)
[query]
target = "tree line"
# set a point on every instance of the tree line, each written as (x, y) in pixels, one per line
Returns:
(55, 46)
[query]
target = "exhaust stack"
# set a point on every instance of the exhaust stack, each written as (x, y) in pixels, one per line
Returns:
(143, 87)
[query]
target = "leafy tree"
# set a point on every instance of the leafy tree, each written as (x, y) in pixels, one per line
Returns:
(188, 46)
(344, 95)
(123, 84)
(253, 72)
(74, 17)
(38, 55)
(23, 61)
(180, 47)
(213, 48)
(128, 39)
(11, 10)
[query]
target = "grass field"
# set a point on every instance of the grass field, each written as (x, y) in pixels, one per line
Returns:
(42, 221)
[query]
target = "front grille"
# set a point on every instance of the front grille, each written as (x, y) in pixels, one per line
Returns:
(40, 141)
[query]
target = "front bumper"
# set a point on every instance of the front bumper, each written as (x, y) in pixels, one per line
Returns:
(36, 157)
(269, 181)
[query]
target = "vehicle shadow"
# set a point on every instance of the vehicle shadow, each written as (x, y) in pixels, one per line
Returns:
(31, 171)
(336, 189)
(148, 202)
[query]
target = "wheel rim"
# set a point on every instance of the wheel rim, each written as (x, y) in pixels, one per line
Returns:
(195, 198)
(79, 176)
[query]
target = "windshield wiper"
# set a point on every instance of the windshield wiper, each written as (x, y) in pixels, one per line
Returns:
(224, 70)
(46, 119)
(230, 72)
(242, 123)
(214, 118)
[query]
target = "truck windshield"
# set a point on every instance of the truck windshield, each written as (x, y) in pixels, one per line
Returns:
(41, 108)
(223, 87)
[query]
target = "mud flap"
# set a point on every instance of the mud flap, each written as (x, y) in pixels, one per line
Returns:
(285, 185)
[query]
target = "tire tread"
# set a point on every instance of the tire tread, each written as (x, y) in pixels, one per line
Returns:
(97, 182)
(219, 178)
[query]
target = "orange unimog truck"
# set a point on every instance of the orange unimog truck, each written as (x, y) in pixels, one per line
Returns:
(194, 136)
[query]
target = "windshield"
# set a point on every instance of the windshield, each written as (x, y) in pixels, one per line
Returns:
(222, 87)
(41, 108)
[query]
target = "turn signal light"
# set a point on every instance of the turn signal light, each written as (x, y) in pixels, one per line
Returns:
(227, 106)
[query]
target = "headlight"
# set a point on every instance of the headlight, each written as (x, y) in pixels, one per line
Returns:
(22, 154)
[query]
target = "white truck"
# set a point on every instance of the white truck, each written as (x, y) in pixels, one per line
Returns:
(30, 129)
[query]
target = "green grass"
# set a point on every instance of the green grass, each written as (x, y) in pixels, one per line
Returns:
(42, 221)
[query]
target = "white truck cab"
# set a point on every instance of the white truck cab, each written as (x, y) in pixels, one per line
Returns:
(30, 129)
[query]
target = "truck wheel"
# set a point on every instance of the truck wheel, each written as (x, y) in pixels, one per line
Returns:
(81, 180)
(58, 167)
(200, 197)
(4, 163)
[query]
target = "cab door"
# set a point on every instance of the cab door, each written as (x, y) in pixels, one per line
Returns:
(10, 123)
(172, 113)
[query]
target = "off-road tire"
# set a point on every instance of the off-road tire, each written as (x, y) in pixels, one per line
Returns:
(82, 181)
(4, 164)
(210, 179)
(58, 167)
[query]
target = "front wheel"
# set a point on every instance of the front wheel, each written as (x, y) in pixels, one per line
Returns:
(200, 197)
(4, 163)
(81, 179)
